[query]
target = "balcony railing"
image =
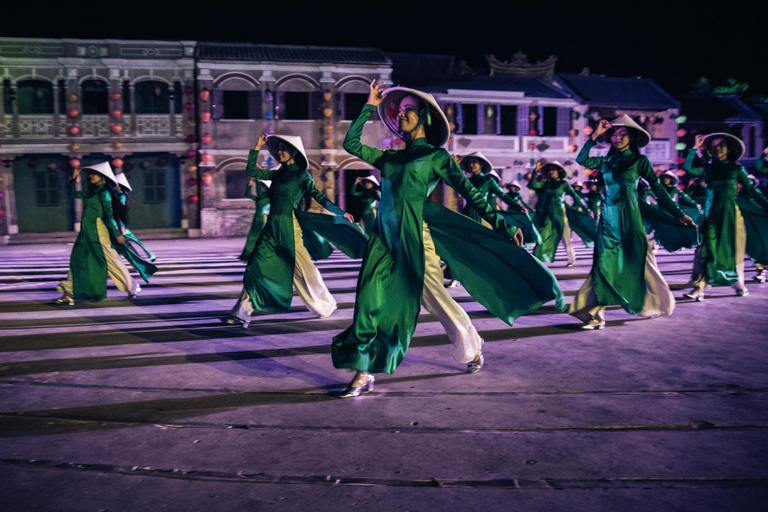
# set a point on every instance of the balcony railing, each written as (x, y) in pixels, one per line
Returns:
(43, 126)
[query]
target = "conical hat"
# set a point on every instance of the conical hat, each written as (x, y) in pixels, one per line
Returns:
(515, 184)
(104, 169)
(123, 181)
(294, 142)
(561, 170)
(372, 179)
(672, 175)
(437, 134)
(485, 164)
(735, 144)
(494, 175)
(643, 137)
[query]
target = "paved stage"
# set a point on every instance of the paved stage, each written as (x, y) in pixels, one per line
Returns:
(156, 405)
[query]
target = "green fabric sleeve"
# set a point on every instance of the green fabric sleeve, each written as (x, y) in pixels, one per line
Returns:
(760, 165)
(357, 190)
(496, 190)
(686, 200)
(109, 215)
(534, 183)
(323, 199)
(252, 170)
(352, 143)
(578, 202)
(693, 165)
(73, 192)
(748, 189)
(254, 197)
(446, 168)
(645, 170)
(583, 158)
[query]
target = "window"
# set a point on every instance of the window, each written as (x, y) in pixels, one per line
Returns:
(126, 97)
(237, 180)
(353, 105)
(8, 96)
(508, 120)
(35, 97)
(62, 96)
(296, 105)
(152, 98)
(178, 103)
(468, 121)
(154, 186)
(95, 97)
(549, 121)
(47, 188)
(235, 104)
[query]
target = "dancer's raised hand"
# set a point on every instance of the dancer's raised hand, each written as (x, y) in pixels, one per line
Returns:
(603, 126)
(262, 140)
(699, 142)
(374, 96)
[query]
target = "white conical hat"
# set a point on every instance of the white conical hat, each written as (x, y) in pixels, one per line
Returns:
(372, 179)
(494, 175)
(104, 169)
(295, 142)
(735, 144)
(515, 184)
(267, 183)
(643, 137)
(484, 162)
(561, 170)
(437, 134)
(672, 175)
(123, 181)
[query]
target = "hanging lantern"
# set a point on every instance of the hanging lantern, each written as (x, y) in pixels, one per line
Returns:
(117, 162)
(193, 199)
(190, 139)
(117, 128)
(575, 115)
(74, 163)
(115, 96)
(146, 164)
(327, 95)
(191, 182)
(532, 132)
(73, 130)
(681, 132)
(449, 110)
(2, 212)
(328, 129)
(51, 167)
(489, 112)
(531, 146)
(452, 126)
(127, 166)
(192, 168)
(680, 160)
(206, 158)
(681, 119)
(117, 113)
(189, 90)
(573, 133)
(191, 123)
(34, 163)
(327, 112)
(73, 112)
(268, 96)
(74, 147)
(206, 139)
(207, 178)
(572, 148)
(680, 172)
(205, 94)
(191, 153)
(72, 98)
(328, 143)
(269, 116)
(162, 162)
(588, 130)
(189, 106)
(117, 145)
(205, 117)
(680, 146)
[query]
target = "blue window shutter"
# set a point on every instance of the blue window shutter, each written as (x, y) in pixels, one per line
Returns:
(217, 104)
(563, 121)
(522, 119)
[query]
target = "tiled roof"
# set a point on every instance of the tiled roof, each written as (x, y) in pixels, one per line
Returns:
(531, 87)
(603, 91)
(717, 109)
(289, 53)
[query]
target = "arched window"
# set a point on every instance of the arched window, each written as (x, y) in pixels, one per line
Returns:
(35, 97)
(95, 97)
(152, 97)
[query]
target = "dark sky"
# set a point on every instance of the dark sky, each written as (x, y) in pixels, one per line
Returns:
(671, 42)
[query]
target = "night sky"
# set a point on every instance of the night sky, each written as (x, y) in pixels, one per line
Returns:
(671, 43)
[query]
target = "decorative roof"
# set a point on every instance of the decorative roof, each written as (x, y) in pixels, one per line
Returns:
(290, 53)
(627, 93)
(729, 109)
(530, 87)
(520, 66)
(416, 69)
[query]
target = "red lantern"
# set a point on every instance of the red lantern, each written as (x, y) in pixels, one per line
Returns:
(531, 146)
(74, 147)
(117, 145)
(191, 182)
(532, 132)
(34, 163)
(2, 212)
(206, 139)
(73, 112)
(192, 168)
(74, 130)
(572, 148)
(117, 162)
(681, 132)
(588, 130)
(191, 153)
(205, 117)
(74, 163)
(189, 90)
(573, 133)
(193, 199)
(207, 178)
(190, 139)
(115, 96)
(207, 159)
(117, 113)
(205, 94)
(189, 106)
(680, 160)
(117, 128)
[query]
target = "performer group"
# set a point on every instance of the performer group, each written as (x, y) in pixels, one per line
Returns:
(410, 245)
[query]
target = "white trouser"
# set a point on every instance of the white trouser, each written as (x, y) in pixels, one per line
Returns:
(116, 269)
(307, 280)
(741, 246)
(467, 343)
(569, 250)
(658, 297)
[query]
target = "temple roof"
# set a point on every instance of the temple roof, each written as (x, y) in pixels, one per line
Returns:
(627, 93)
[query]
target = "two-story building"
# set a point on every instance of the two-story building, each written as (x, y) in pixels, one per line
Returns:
(72, 102)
